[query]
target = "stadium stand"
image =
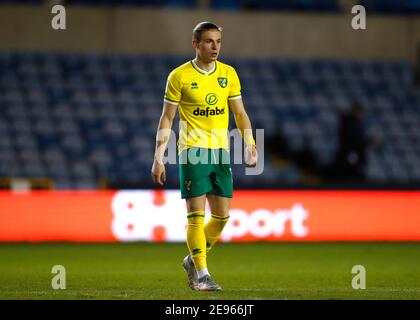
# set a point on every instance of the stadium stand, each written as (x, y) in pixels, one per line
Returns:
(373, 6)
(80, 118)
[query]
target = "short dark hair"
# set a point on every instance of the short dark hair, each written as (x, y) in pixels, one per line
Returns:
(204, 26)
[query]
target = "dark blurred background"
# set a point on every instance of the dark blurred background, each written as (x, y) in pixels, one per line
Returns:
(340, 107)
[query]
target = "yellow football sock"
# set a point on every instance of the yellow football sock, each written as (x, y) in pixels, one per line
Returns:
(196, 239)
(213, 230)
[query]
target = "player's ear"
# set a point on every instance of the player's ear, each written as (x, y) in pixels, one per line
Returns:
(195, 44)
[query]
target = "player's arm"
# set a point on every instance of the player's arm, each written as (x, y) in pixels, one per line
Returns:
(162, 139)
(244, 125)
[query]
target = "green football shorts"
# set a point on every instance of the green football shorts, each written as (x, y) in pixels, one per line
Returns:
(203, 171)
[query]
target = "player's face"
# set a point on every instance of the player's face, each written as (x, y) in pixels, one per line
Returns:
(208, 47)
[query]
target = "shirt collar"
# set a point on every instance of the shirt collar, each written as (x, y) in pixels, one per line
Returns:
(204, 71)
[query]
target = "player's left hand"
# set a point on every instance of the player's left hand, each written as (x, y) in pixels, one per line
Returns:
(251, 155)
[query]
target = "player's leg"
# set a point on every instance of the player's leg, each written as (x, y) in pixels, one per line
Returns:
(219, 207)
(196, 239)
(195, 183)
(212, 231)
(220, 197)
(219, 200)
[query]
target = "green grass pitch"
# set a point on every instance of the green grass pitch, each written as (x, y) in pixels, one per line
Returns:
(269, 271)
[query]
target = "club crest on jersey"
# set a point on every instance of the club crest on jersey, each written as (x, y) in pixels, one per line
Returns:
(222, 82)
(187, 184)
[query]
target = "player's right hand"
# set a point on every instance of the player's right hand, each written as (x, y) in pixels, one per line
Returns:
(251, 155)
(158, 173)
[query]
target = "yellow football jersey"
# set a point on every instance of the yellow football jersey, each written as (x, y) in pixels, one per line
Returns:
(202, 98)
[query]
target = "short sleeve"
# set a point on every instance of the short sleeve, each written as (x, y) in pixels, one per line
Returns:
(235, 85)
(173, 89)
